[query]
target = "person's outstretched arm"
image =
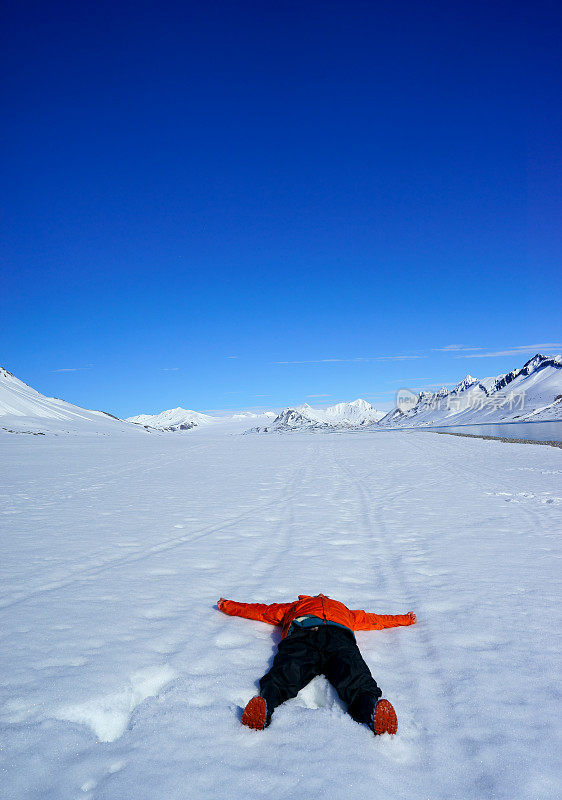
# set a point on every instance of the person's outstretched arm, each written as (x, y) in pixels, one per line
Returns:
(365, 621)
(272, 614)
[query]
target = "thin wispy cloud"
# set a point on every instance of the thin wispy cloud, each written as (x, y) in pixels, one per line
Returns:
(73, 369)
(396, 358)
(351, 360)
(378, 394)
(548, 348)
(321, 361)
(454, 348)
(169, 369)
(432, 387)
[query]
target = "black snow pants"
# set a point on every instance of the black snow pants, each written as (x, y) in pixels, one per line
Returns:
(326, 650)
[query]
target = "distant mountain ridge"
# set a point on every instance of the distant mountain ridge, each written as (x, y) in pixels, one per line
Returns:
(25, 410)
(174, 419)
(356, 414)
(529, 393)
(182, 419)
(532, 392)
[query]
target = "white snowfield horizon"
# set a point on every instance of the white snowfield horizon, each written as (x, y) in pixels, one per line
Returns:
(121, 679)
(182, 419)
(531, 393)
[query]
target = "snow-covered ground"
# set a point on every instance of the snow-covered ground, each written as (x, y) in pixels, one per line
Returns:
(122, 680)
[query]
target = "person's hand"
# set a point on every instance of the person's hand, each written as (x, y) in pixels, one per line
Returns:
(412, 617)
(220, 602)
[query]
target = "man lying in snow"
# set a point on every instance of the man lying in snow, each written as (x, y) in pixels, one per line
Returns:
(318, 640)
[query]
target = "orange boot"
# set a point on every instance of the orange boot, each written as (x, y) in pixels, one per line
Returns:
(255, 714)
(384, 718)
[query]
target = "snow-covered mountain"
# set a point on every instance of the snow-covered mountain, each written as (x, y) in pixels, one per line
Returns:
(290, 419)
(531, 393)
(25, 410)
(182, 419)
(356, 414)
(175, 419)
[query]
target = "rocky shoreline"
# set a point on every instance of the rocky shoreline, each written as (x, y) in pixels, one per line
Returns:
(500, 438)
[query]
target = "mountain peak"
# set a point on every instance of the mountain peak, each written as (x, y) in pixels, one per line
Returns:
(536, 361)
(173, 419)
(466, 383)
(360, 403)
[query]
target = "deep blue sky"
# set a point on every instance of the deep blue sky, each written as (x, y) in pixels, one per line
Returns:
(194, 192)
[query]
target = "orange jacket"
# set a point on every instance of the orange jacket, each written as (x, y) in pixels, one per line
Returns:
(319, 606)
